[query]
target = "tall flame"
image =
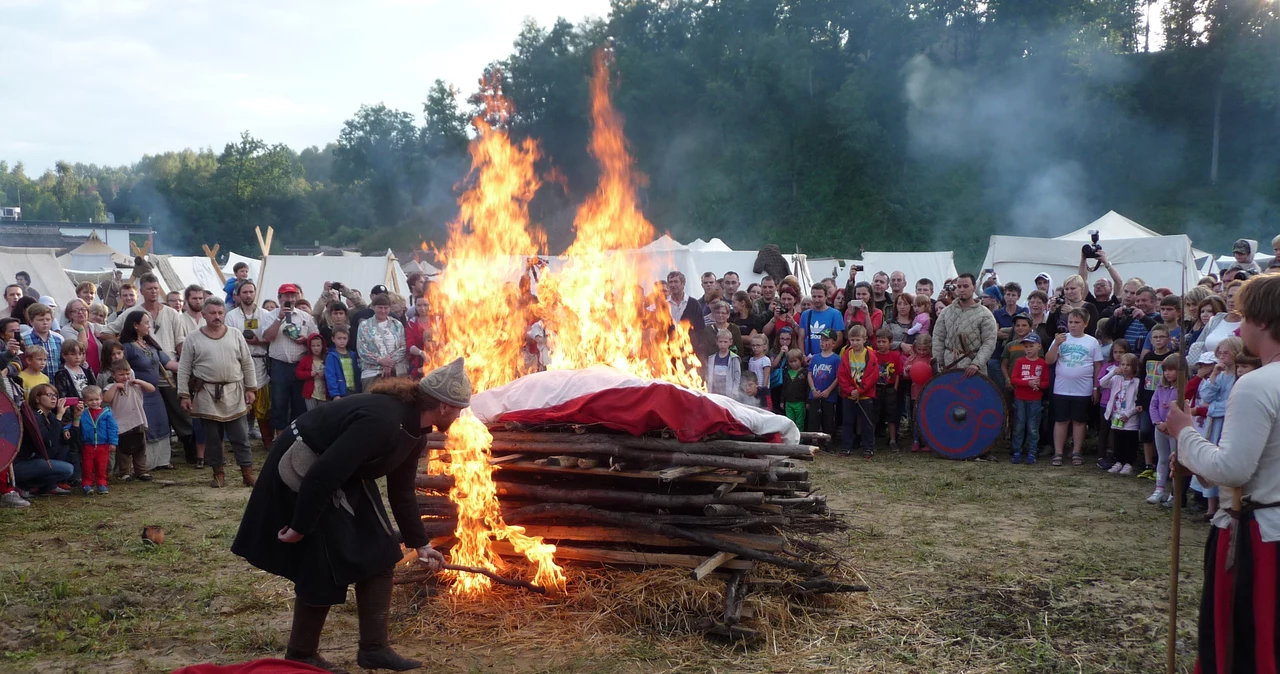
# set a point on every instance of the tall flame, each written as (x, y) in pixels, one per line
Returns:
(596, 309)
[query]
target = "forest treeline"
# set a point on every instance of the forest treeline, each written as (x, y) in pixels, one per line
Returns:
(831, 126)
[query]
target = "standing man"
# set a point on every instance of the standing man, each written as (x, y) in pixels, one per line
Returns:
(167, 327)
(897, 283)
(193, 308)
(966, 332)
(23, 279)
(924, 287)
(109, 291)
(1011, 293)
(814, 322)
(1103, 296)
(249, 319)
(880, 296)
(128, 299)
(12, 293)
(731, 283)
(763, 307)
(709, 283)
(216, 383)
(287, 330)
(683, 308)
(1241, 554)
(1135, 318)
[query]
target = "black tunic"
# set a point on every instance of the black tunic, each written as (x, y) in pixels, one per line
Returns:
(358, 439)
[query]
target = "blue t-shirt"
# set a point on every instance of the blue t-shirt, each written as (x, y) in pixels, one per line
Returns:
(813, 322)
(823, 370)
(230, 289)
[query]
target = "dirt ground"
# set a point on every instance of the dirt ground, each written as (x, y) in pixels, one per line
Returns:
(973, 567)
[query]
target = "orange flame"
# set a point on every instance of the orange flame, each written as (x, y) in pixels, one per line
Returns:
(596, 309)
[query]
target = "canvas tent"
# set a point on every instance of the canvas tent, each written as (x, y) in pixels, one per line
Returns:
(177, 272)
(937, 266)
(1159, 260)
(1113, 226)
(47, 276)
(93, 255)
(309, 273)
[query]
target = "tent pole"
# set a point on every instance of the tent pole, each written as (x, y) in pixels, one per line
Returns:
(265, 246)
(212, 254)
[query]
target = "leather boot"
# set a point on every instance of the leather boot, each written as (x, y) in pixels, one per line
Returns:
(373, 607)
(219, 478)
(246, 474)
(304, 637)
(268, 435)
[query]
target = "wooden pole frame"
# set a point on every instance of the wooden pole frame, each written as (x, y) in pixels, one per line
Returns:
(265, 246)
(212, 254)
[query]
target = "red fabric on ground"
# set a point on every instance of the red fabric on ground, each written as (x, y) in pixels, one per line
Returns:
(267, 666)
(638, 410)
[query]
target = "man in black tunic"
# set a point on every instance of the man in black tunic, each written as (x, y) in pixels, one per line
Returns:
(316, 517)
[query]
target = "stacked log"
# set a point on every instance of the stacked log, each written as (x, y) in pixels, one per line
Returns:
(720, 506)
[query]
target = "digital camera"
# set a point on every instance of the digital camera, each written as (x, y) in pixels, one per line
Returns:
(1090, 250)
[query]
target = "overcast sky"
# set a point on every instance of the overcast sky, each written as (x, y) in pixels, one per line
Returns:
(106, 81)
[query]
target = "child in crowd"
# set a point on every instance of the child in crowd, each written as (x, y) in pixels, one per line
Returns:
(240, 272)
(1214, 392)
(822, 385)
(795, 388)
(99, 436)
(1158, 340)
(921, 324)
(75, 375)
(858, 374)
(890, 372)
(778, 363)
(1200, 411)
(124, 395)
(310, 371)
(920, 369)
(1106, 451)
(760, 366)
(750, 394)
(1015, 348)
(270, 305)
(341, 367)
(1122, 412)
(1165, 396)
(111, 352)
(98, 313)
(1171, 316)
(1029, 378)
(1104, 340)
(1246, 363)
(724, 368)
(34, 359)
(1076, 358)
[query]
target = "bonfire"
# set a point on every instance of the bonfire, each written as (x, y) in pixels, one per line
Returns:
(719, 501)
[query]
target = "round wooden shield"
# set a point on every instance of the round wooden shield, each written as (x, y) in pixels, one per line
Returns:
(10, 430)
(960, 417)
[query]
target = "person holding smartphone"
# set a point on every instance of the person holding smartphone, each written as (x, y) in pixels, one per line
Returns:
(286, 329)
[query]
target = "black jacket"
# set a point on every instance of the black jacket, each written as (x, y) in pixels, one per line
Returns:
(358, 439)
(49, 442)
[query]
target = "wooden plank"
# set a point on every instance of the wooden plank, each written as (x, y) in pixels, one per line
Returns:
(627, 557)
(678, 472)
(619, 535)
(711, 564)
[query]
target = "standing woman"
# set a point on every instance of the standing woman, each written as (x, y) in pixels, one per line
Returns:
(904, 314)
(1074, 294)
(1225, 324)
(78, 328)
(152, 365)
(1239, 606)
(381, 344)
(316, 516)
(747, 322)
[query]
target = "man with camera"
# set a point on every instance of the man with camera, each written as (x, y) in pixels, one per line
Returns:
(1103, 296)
(287, 330)
(336, 307)
(1135, 317)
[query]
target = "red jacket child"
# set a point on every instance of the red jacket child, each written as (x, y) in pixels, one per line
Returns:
(310, 369)
(865, 386)
(891, 365)
(1026, 371)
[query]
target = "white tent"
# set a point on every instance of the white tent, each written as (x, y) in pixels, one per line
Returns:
(1222, 263)
(309, 273)
(92, 256)
(232, 258)
(177, 272)
(47, 275)
(1114, 226)
(937, 266)
(712, 246)
(1159, 260)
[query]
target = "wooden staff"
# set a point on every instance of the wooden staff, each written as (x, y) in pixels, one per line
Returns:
(1175, 539)
(265, 246)
(411, 554)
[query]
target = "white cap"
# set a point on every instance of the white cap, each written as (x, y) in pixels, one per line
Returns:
(1207, 358)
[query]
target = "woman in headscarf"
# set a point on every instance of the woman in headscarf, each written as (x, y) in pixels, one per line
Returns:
(316, 516)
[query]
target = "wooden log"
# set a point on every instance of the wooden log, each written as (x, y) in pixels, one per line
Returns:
(661, 458)
(421, 576)
(628, 557)
(715, 478)
(642, 521)
(817, 499)
(721, 447)
(436, 482)
(814, 438)
(619, 497)
(734, 593)
(713, 562)
(672, 474)
(723, 510)
(599, 534)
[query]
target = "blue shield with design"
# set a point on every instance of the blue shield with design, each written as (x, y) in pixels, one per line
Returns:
(960, 417)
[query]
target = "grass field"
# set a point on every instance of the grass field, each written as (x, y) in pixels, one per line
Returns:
(973, 567)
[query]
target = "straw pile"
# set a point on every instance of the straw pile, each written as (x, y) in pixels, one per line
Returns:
(740, 515)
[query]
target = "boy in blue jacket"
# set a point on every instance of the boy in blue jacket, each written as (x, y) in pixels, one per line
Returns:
(341, 367)
(100, 434)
